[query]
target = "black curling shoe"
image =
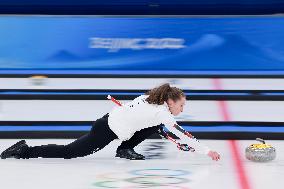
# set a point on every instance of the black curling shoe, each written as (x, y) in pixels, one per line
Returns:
(129, 154)
(15, 151)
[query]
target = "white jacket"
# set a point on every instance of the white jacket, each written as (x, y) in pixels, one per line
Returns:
(138, 114)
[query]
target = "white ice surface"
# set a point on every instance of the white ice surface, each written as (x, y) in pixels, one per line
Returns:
(103, 170)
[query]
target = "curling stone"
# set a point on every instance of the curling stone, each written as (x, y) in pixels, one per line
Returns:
(38, 80)
(260, 152)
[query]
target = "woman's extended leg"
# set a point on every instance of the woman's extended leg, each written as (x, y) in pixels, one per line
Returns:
(99, 136)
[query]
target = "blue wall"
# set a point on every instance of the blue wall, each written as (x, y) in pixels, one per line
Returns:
(143, 44)
(142, 7)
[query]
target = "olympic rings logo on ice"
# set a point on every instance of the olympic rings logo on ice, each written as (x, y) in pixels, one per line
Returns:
(144, 178)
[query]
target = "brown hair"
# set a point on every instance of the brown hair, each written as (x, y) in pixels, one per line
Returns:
(162, 93)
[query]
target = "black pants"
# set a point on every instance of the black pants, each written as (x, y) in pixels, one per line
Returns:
(99, 136)
(138, 137)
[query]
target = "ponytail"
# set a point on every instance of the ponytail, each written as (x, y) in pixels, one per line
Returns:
(162, 93)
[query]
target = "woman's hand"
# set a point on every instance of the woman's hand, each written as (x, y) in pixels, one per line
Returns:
(214, 155)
